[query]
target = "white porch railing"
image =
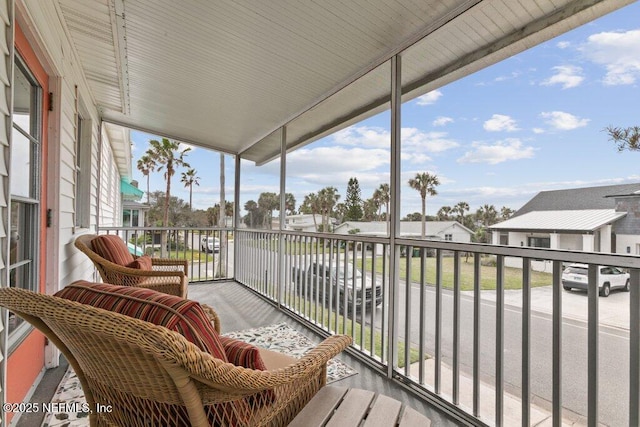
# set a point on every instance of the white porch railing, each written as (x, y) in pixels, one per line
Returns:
(209, 251)
(440, 335)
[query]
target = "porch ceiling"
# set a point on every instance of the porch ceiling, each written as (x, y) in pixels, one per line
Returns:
(227, 74)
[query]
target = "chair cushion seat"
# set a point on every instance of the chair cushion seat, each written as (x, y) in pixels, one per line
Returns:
(175, 313)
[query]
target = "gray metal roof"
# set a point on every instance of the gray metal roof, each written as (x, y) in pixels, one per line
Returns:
(407, 228)
(561, 220)
(577, 198)
(228, 74)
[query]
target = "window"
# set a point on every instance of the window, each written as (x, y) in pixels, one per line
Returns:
(539, 242)
(25, 184)
(448, 237)
(131, 218)
(83, 170)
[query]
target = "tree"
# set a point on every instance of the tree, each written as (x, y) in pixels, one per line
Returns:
(146, 165)
(327, 199)
(252, 213)
(289, 204)
(415, 216)
(369, 208)
(268, 202)
(625, 138)
(353, 201)
(189, 179)
(382, 195)
(311, 205)
(168, 156)
(425, 184)
(506, 213)
(444, 213)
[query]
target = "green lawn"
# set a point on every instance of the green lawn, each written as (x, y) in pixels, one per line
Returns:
(357, 335)
(512, 276)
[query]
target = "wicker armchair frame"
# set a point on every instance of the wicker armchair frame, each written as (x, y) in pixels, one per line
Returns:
(153, 376)
(167, 275)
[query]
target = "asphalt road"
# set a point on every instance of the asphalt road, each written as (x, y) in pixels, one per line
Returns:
(614, 351)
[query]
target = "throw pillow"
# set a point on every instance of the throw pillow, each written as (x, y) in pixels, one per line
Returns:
(112, 248)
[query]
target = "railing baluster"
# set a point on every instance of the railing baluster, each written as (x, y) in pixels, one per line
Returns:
(438, 338)
(456, 328)
(423, 314)
(374, 283)
(407, 311)
(634, 348)
(477, 281)
(557, 345)
(592, 357)
(499, 340)
(526, 342)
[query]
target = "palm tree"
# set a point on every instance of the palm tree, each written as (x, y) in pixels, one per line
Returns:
(168, 156)
(383, 196)
(146, 165)
(425, 184)
(327, 197)
(460, 209)
(311, 205)
(444, 213)
(189, 179)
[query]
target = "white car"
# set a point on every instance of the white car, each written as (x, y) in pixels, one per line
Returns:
(210, 244)
(575, 277)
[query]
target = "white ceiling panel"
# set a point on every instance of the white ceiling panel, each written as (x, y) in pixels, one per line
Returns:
(226, 74)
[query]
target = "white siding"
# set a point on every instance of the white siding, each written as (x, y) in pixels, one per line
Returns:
(6, 46)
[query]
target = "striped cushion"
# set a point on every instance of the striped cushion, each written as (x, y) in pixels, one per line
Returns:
(142, 263)
(242, 354)
(177, 314)
(111, 247)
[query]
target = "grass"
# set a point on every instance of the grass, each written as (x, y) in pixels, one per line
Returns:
(512, 276)
(187, 254)
(340, 325)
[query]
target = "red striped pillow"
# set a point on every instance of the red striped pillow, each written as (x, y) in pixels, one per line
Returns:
(242, 354)
(177, 314)
(111, 247)
(143, 262)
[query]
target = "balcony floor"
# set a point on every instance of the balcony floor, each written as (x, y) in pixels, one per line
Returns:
(239, 308)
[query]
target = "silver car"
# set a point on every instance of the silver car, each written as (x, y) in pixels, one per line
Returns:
(210, 244)
(575, 277)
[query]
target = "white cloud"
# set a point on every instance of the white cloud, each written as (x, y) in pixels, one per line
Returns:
(501, 151)
(500, 122)
(429, 98)
(442, 121)
(363, 136)
(618, 53)
(434, 142)
(566, 75)
(563, 45)
(538, 130)
(563, 121)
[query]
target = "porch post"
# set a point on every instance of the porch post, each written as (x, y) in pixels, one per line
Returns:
(283, 204)
(394, 261)
(588, 243)
(236, 217)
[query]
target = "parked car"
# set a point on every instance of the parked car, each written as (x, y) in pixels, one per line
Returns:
(210, 244)
(575, 276)
(333, 276)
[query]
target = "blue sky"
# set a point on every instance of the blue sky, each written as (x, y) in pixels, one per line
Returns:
(530, 123)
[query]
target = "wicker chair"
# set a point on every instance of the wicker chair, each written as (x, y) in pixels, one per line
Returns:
(153, 376)
(168, 275)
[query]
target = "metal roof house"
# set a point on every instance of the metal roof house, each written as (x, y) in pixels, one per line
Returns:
(439, 230)
(600, 219)
(253, 79)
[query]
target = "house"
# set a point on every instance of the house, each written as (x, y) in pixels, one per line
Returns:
(592, 219)
(304, 222)
(436, 230)
(256, 80)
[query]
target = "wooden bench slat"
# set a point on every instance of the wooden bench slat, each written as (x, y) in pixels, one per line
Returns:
(412, 418)
(385, 412)
(353, 408)
(320, 408)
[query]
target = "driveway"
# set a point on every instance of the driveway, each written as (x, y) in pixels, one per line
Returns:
(613, 310)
